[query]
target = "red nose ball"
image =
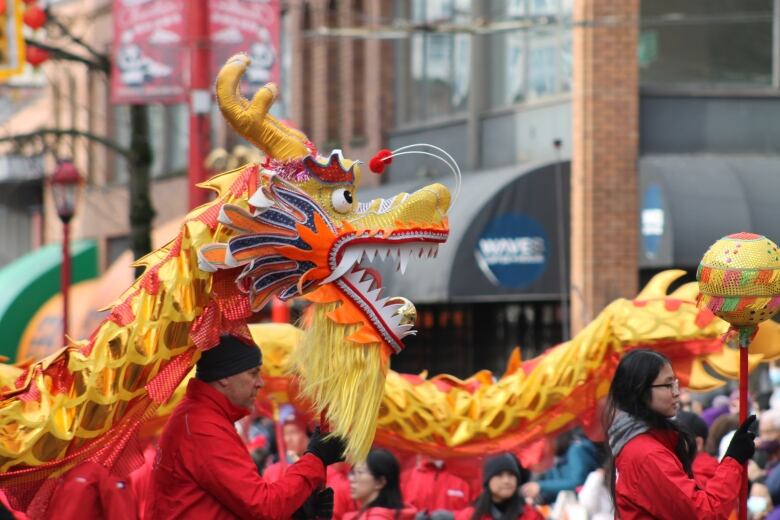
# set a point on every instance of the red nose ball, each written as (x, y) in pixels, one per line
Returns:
(379, 161)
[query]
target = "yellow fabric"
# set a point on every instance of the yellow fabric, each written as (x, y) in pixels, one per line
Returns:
(522, 406)
(54, 407)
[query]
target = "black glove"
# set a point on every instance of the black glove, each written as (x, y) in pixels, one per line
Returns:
(318, 505)
(329, 450)
(741, 447)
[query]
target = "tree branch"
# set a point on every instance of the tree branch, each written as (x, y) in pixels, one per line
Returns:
(102, 59)
(60, 54)
(21, 139)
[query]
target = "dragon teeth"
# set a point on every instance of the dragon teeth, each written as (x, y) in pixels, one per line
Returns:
(350, 258)
(406, 254)
(374, 295)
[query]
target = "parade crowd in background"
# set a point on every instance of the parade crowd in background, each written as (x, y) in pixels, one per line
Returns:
(573, 486)
(670, 454)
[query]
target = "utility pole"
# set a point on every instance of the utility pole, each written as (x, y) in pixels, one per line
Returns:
(200, 97)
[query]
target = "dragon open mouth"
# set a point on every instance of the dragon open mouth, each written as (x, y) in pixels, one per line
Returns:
(363, 284)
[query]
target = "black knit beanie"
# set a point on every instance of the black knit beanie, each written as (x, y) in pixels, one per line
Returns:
(495, 465)
(230, 357)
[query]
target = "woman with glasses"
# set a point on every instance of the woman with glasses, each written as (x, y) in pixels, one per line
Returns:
(374, 484)
(651, 456)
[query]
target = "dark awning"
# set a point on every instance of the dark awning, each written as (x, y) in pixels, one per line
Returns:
(688, 201)
(503, 241)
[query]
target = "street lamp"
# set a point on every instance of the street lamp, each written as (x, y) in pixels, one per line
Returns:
(65, 188)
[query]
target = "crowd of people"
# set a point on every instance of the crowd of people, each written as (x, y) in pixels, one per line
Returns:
(665, 454)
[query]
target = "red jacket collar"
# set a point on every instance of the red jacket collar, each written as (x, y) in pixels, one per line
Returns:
(666, 437)
(205, 395)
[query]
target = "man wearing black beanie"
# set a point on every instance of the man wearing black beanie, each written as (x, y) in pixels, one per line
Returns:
(204, 470)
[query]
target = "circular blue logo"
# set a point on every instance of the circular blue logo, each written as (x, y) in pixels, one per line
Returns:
(512, 251)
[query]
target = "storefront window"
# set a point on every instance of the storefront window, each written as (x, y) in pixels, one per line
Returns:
(436, 81)
(703, 42)
(461, 339)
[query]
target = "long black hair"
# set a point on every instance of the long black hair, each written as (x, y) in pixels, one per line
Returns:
(511, 508)
(630, 392)
(383, 465)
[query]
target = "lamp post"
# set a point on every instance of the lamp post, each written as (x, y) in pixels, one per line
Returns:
(65, 188)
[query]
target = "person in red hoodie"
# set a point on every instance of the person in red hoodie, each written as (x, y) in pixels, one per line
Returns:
(429, 486)
(375, 485)
(203, 469)
(652, 457)
(500, 499)
(90, 491)
(704, 465)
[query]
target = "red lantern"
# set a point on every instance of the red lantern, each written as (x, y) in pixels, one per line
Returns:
(34, 17)
(2, 7)
(28, 2)
(36, 55)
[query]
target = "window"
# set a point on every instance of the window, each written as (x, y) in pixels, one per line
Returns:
(168, 137)
(120, 125)
(436, 66)
(115, 246)
(726, 42)
(169, 133)
(533, 63)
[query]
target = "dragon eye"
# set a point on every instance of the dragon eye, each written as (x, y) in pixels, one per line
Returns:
(342, 200)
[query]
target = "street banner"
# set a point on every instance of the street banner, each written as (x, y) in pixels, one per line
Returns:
(11, 39)
(250, 26)
(149, 54)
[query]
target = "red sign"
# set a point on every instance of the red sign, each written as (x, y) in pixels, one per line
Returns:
(149, 57)
(250, 26)
(150, 53)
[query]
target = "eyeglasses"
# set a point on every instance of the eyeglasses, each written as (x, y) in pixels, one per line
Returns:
(674, 386)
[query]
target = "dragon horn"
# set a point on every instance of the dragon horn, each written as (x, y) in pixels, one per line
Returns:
(251, 119)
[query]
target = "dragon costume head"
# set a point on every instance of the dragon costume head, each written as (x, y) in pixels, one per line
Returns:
(304, 233)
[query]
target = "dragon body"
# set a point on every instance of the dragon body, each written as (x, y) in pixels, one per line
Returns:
(449, 418)
(288, 227)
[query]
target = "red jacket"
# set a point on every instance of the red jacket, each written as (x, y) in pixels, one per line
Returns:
(704, 468)
(90, 491)
(428, 487)
(274, 472)
(141, 478)
(529, 513)
(382, 513)
(203, 469)
(336, 478)
(651, 483)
